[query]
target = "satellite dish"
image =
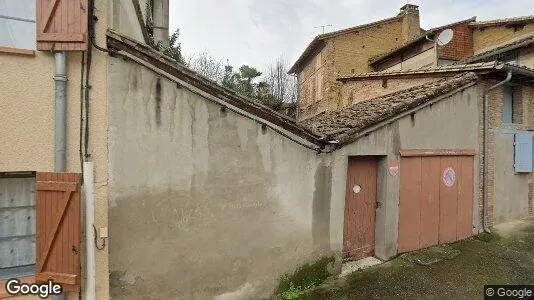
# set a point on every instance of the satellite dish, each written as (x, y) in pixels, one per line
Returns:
(445, 37)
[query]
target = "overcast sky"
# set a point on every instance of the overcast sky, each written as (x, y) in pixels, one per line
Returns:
(256, 32)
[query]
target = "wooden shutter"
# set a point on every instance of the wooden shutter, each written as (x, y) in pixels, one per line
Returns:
(61, 25)
(523, 146)
(58, 229)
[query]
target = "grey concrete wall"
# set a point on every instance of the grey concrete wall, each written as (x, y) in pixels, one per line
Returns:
(123, 18)
(511, 189)
(448, 124)
(203, 202)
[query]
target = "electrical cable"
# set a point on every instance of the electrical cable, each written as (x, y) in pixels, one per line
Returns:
(96, 240)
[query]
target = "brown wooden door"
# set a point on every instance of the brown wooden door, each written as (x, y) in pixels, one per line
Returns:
(436, 200)
(360, 208)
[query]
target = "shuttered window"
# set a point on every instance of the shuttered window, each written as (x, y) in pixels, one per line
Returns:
(17, 24)
(524, 152)
(17, 224)
(61, 25)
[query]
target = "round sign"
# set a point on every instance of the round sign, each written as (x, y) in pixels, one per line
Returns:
(449, 177)
(393, 168)
(357, 189)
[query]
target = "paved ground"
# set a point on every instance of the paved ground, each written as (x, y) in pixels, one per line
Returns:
(455, 271)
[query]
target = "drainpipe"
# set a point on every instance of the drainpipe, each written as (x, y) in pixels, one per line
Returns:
(485, 224)
(60, 137)
(60, 130)
(89, 231)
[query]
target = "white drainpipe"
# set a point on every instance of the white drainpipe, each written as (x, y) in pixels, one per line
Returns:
(89, 231)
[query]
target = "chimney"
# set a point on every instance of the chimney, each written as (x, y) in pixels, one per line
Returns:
(411, 27)
(161, 21)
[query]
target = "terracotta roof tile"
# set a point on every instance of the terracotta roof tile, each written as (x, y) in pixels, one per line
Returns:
(456, 68)
(344, 125)
(529, 40)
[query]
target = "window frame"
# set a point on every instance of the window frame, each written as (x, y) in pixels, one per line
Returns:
(19, 50)
(22, 175)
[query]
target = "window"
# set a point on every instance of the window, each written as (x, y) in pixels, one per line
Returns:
(17, 24)
(17, 225)
(512, 108)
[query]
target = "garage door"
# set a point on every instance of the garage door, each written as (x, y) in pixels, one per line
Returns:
(436, 199)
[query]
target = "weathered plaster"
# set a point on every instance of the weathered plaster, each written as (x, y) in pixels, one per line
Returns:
(204, 202)
(508, 205)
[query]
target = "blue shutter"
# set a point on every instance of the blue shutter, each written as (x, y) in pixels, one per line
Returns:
(507, 105)
(523, 152)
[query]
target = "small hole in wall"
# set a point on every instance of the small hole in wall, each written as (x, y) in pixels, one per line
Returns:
(223, 111)
(396, 39)
(263, 128)
(412, 118)
(352, 71)
(363, 46)
(384, 83)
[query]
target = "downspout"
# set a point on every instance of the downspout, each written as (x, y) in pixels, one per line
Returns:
(90, 286)
(485, 222)
(60, 130)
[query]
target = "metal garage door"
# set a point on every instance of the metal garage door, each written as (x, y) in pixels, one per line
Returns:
(436, 199)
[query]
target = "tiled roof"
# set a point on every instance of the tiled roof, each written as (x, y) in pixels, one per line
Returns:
(417, 39)
(343, 126)
(318, 40)
(458, 68)
(525, 19)
(501, 49)
(145, 55)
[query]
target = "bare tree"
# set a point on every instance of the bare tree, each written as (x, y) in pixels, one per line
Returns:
(206, 66)
(282, 86)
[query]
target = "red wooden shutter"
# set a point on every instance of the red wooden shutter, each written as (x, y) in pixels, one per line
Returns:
(58, 229)
(61, 25)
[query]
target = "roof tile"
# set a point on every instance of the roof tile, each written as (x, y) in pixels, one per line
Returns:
(344, 125)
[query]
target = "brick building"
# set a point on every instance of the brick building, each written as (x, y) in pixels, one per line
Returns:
(347, 51)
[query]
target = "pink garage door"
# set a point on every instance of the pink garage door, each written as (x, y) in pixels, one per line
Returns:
(436, 198)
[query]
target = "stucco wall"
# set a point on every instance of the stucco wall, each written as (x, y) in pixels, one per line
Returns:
(425, 59)
(511, 189)
(204, 202)
(123, 18)
(27, 128)
(364, 89)
(448, 124)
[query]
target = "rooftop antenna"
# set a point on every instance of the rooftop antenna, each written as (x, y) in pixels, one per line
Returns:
(442, 39)
(323, 26)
